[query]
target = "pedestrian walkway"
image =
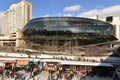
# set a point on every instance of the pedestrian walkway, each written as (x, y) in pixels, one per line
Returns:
(44, 76)
(5, 78)
(92, 78)
(96, 78)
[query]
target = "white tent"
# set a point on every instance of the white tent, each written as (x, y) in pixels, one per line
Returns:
(85, 63)
(1, 63)
(50, 60)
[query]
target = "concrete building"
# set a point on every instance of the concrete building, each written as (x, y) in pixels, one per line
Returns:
(12, 40)
(13, 21)
(16, 17)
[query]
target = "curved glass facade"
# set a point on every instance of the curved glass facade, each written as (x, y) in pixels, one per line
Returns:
(61, 31)
(75, 25)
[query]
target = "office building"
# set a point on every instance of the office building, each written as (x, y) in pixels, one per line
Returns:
(16, 17)
(13, 21)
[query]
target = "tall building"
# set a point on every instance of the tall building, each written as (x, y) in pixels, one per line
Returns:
(13, 21)
(16, 17)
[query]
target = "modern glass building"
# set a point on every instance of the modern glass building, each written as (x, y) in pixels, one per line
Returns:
(55, 33)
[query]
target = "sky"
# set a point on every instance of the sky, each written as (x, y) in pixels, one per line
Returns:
(71, 8)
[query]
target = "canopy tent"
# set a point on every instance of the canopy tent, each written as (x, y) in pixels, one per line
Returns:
(1, 63)
(22, 62)
(50, 60)
(85, 63)
(33, 62)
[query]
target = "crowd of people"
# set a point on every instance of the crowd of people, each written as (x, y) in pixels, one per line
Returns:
(63, 72)
(71, 74)
(14, 72)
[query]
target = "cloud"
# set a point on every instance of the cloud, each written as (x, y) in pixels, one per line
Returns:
(89, 13)
(113, 10)
(68, 15)
(104, 12)
(72, 8)
(99, 6)
(59, 15)
(0, 20)
(47, 15)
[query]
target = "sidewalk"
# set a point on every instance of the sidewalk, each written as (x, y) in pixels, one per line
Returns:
(42, 76)
(94, 78)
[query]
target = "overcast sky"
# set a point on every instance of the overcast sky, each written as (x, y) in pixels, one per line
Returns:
(75, 8)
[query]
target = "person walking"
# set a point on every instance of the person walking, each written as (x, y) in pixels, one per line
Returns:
(15, 76)
(33, 77)
(65, 76)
